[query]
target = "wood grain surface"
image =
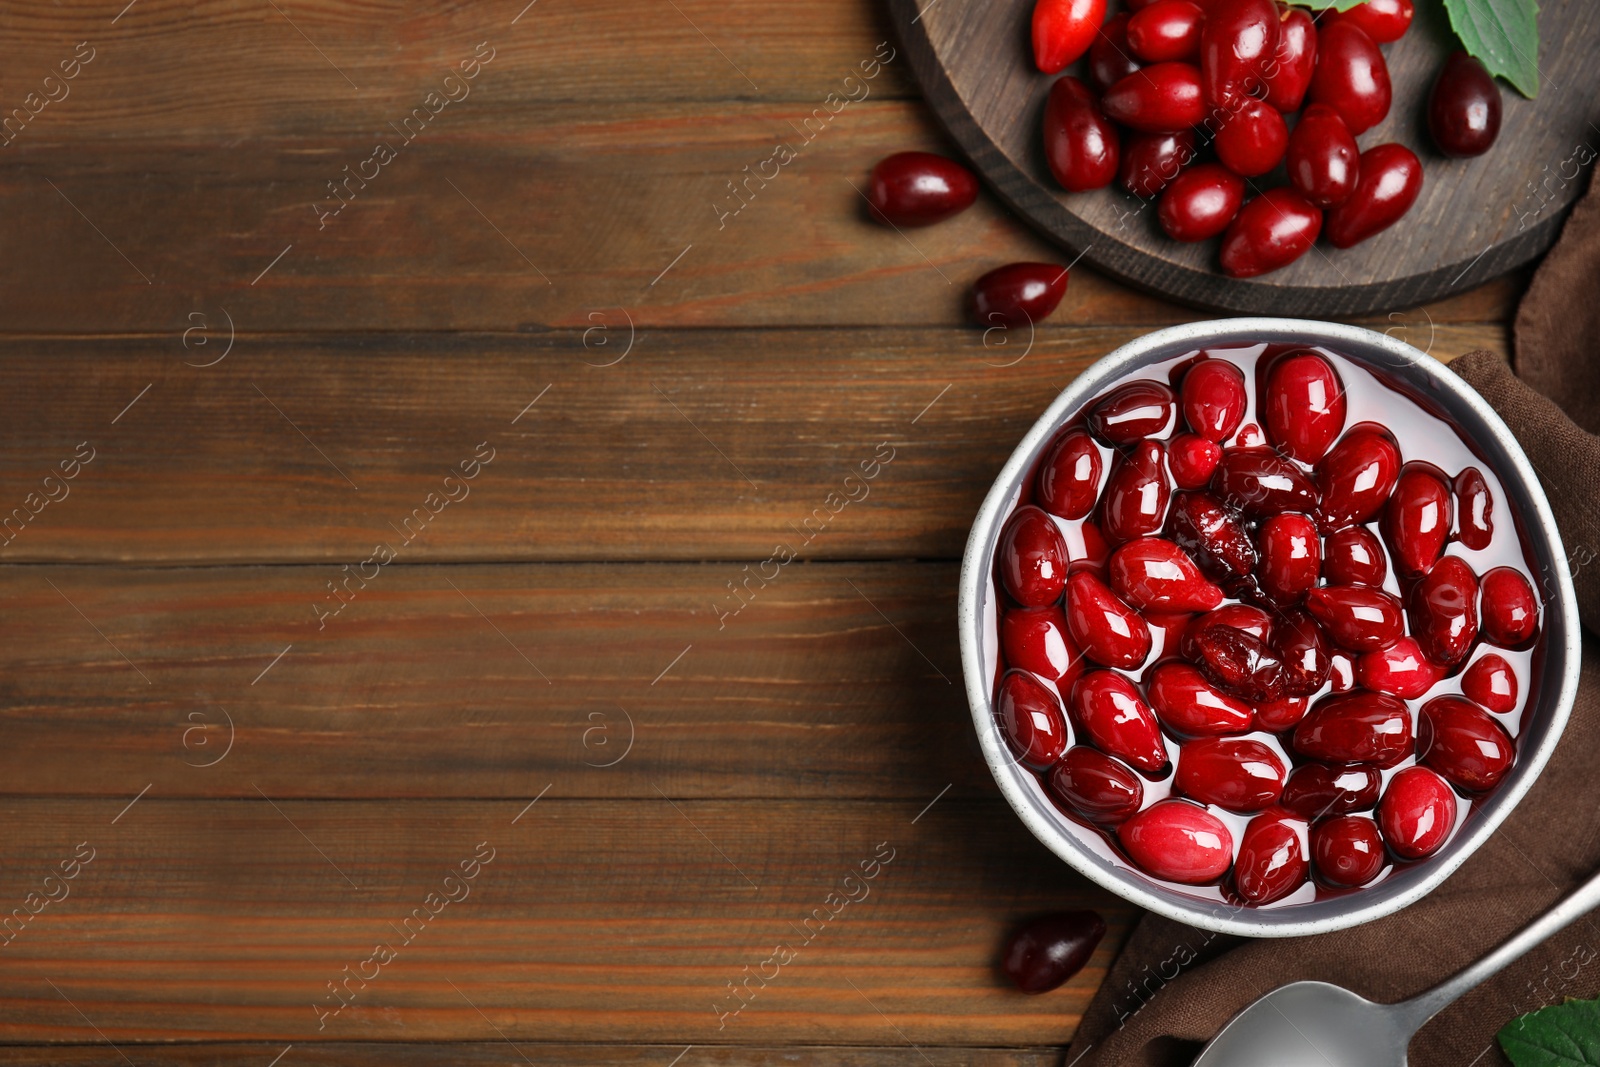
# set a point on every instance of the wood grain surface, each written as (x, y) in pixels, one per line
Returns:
(275, 760)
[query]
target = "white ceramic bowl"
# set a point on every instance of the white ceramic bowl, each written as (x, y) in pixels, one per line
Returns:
(1557, 683)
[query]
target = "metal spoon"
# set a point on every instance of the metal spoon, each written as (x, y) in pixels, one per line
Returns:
(1315, 1024)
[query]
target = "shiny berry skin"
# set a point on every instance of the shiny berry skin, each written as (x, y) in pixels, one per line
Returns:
(1110, 59)
(1239, 663)
(1069, 480)
(1300, 642)
(1443, 611)
(1356, 727)
(1341, 672)
(920, 189)
(1160, 98)
(1272, 859)
(1237, 46)
(1119, 722)
(1351, 77)
(1353, 556)
(1258, 481)
(1080, 144)
(1383, 20)
(1357, 617)
(1018, 294)
(1290, 75)
(1192, 459)
(1063, 30)
(1135, 501)
(1153, 574)
(1107, 630)
(1234, 773)
(1252, 138)
(1031, 719)
(1209, 532)
(1418, 518)
(1033, 558)
(1290, 557)
(1356, 477)
(1322, 157)
(1305, 406)
(1178, 842)
(1507, 606)
(1464, 107)
(1036, 640)
(1400, 670)
(1130, 413)
(1166, 30)
(1316, 790)
(1490, 681)
(1051, 949)
(1250, 436)
(1417, 813)
(1200, 203)
(1389, 183)
(1185, 703)
(1285, 713)
(1096, 786)
(1150, 161)
(1271, 231)
(1247, 617)
(1463, 743)
(1348, 851)
(1213, 397)
(1474, 509)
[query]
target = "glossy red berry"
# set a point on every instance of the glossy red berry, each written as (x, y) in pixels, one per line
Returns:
(1323, 160)
(1443, 611)
(1110, 58)
(1273, 858)
(1271, 231)
(1290, 557)
(1119, 722)
(1178, 842)
(1031, 719)
(1250, 436)
(1096, 786)
(1247, 617)
(1389, 183)
(1153, 574)
(1464, 107)
(1237, 45)
(1251, 139)
(1353, 556)
(1192, 459)
(1417, 813)
(1150, 161)
(1107, 630)
(1063, 31)
(1200, 202)
(1351, 76)
(1357, 617)
(1259, 481)
(1463, 743)
(1400, 670)
(1508, 608)
(1081, 146)
(1211, 534)
(1033, 558)
(1418, 519)
(1304, 405)
(1132, 412)
(1490, 681)
(1051, 949)
(1188, 705)
(1303, 646)
(1315, 790)
(1383, 20)
(1285, 713)
(920, 188)
(1341, 672)
(1213, 398)
(1166, 30)
(1348, 851)
(1160, 98)
(1288, 78)
(1036, 640)
(1236, 774)
(1239, 663)
(1474, 509)
(1018, 294)
(1135, 500)
(1356, 727)
(1357, 476)
(1069, 479)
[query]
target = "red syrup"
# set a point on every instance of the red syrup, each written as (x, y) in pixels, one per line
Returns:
(1259, 648)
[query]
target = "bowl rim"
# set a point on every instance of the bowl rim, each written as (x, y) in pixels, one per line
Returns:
(975, 566)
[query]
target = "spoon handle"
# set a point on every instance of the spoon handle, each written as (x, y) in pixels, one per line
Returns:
(1424, 1006)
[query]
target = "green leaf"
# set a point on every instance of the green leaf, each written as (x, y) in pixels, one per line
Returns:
(1504, 34)
(1562, 1035)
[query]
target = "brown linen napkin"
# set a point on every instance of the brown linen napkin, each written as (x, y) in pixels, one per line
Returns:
(1173, 986)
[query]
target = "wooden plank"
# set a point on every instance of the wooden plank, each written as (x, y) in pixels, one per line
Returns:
(838, 680)
(505, 1054)
(696, 445)
(225, 921)
(516, 220)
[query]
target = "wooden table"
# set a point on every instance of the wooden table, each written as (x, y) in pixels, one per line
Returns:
(410, 669)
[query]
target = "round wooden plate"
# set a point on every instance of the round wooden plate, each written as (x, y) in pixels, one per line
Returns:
(1474, 220)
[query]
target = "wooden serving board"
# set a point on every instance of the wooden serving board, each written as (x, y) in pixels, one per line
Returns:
(1474, 220)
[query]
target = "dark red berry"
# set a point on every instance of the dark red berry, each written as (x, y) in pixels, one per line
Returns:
(1357, 617)
(1417, 813)
(1200, 202)
(1151, 160)
(1463, 743)
(1110, 58)
(1238, 43)
(1069, 479)
(1443, 611)
(1490, 681)
(1192, 459)
(1036, 639)
(1259, 482)
(1289, 76)
(1239, 662)
(1323, 159)
(1135, 500)
(1464, 107)
(1186, 704)
(1271, 231)
(1051, 949)
(1383, 20)
(1303, 646)
(1018, 294)
(1063, 31)
(1033, 557)
(1119, 722)
(1316, 790)
(1160, 98)
(1098, 787)
(1130, 413)
(1236, 774)
(1213, 398)
(1081, 146)
(1357, 476)
(1107, 630)
(1353, 556)
(1210, 533)
(1273, 860)
(1418, 519)
(1285, 713)
(1389, 183)
(1031, 719)
(1153, 574)
(1400, 670)
(1304, 405)
(920, 188)
(1179, 842)
(1509, 610)
(1356, 727)
(1290, 557)
(1348, 850)
(1474, 509)
(1351, 76)
(1251, 138)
